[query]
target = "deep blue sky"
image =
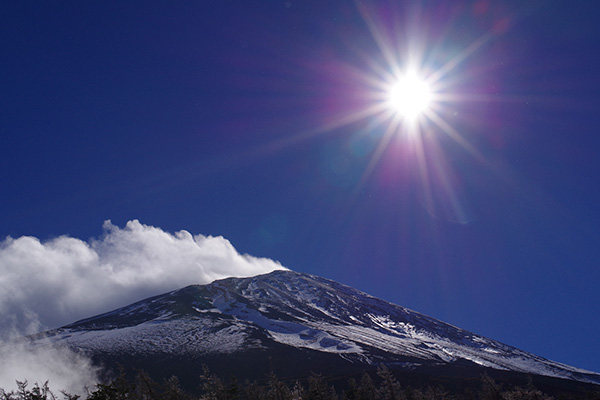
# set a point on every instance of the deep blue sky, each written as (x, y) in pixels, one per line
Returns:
(223, 118)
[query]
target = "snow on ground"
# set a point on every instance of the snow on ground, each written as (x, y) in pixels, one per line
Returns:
(176, 337)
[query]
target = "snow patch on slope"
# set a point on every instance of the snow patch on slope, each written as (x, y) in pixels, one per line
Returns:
(286, 332)
(191, 336)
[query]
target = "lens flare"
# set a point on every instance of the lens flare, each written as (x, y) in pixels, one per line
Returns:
(407, 94)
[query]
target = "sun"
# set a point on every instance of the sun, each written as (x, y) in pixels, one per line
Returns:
(409, 96)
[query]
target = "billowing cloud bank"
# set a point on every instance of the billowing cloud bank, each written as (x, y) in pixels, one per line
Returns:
(65, 279)
(49, 284)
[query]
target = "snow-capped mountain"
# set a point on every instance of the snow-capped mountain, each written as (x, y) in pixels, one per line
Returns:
(288, 318)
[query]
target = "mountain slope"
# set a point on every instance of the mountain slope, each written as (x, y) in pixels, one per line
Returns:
(285, 316)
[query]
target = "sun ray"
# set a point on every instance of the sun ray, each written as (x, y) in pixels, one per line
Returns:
(355, 116)
(390, 131)
(454, 134)
(377, 34)
(423, 171)
(460, 57)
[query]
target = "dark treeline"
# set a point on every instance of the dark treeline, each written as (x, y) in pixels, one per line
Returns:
(383, 386)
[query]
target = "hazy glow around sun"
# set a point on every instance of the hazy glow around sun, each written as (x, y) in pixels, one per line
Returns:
(409, 96)
(406, 98)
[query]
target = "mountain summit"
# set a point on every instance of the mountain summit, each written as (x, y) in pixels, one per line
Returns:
(290, 323)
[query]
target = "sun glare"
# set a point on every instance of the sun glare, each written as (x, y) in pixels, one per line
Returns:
(409, 96)
(404, 96)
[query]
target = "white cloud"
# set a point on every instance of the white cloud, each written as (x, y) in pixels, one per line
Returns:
(66, 279)
(62, 368)
(49, 284)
